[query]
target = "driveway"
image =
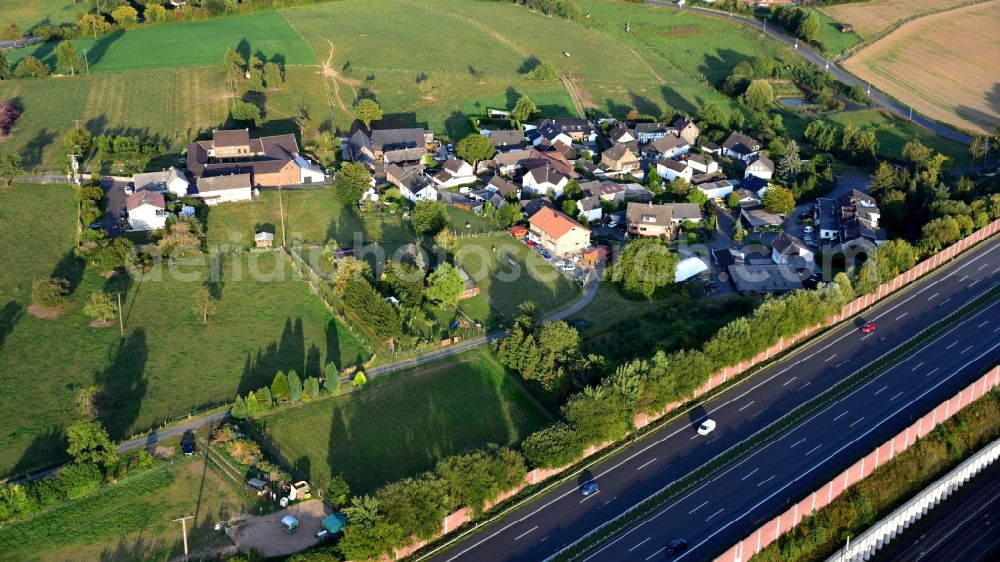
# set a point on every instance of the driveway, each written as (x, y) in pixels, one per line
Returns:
(264, 533)
(114, 194)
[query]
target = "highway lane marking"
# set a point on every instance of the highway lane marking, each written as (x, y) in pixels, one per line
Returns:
(703, 504)
(974, 282)
(896, 396)
(953, 344)
(919, 365)
(866, 336)
(996, 330)
(932, 371)
(655, 554)
(982, 267)
(944, 301)
(883, 388)
(814, 449)
(643, 465)
(747, 405)
(800, 441)
(963, 279)
(789, 381)
(932, 296)
(966, 350)
(900, 317)
(749, 474)
(841, 363)
(803, 386)
(831, 456)
(590, 496)
(775, 442)
(766, 481)
(522, 535)
(983, 324)
(714, 514)
(840, 416)
(856, 422)
(831, 357)
(640, 544)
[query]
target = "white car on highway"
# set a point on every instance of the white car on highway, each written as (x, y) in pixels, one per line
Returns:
(706, 427)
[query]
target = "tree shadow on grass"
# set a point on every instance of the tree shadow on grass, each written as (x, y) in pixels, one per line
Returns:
(123, 385)
(31, 154)
(285, 354)
(47, 446)
(10, 314)
(71, 269)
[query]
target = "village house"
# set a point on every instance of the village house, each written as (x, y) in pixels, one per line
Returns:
(579, 130)
(621, 135)
(506, 189)
(673, 169)
(649, 132)
(531, 206)
(750, 279)
(740, 147)
(647, 220)
(454, 172)
(147, 210)
(170, 180)
(590, 207)
(687, 130)
(390, 146)
(667, 146)
(558, 233)
(851, 219)
(717, 189)
(605, 190)
(701, 164)
(225, 189)
(636, 192)
(541, 180)
(506, 140)
(270, 161)
(412, 182)
(759, 166)
(789, 250)
(620, 159)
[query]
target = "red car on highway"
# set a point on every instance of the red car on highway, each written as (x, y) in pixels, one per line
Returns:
(868, 327)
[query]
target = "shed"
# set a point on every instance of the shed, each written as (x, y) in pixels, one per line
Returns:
(264, 239)
(688, 268)
(518, 231)
(289, 524)
(334, 523)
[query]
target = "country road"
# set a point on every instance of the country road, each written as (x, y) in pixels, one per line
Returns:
(878, 98)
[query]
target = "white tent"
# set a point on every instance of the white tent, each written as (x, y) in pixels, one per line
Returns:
(688, 268)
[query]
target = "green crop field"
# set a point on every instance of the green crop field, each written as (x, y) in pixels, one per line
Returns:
(168, 363)
(130, 520)
(513, 273)
(402, 424)
(28, 13)
(186, 44)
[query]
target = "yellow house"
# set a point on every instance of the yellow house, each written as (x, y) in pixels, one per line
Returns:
(558, 233)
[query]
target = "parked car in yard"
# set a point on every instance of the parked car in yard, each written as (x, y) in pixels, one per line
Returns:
(808, 229)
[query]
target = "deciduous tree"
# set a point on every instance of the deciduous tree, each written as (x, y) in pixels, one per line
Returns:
(367, 110)
(294, 387)
(474, 148)
(204, 304)
(68, 57)
(246, 112)
(778, 200)
(125, 16)
(429, 217)
(524, 109)
(351, 182)
(445, 285)
(101, 307)
(279, 386)
(89, 443)
(31, 67)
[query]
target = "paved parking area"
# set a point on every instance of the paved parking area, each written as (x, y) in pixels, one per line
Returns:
(114, 194)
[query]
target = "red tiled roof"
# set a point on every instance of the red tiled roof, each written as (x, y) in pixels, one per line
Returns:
(553, 223)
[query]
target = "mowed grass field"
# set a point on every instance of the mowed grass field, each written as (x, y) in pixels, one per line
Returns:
(513, 273)
(833, 39)
(312, 216)
(27, 13)
(945, 65)
(401, 424)
(873, 18)
(168, 363)
(186, 44)
(130, 520)
(173, 105)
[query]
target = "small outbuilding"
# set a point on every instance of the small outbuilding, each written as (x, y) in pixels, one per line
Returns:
(264, 240)
(289, 524)
(688, 268)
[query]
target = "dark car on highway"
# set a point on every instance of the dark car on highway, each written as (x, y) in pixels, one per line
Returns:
(676, 546)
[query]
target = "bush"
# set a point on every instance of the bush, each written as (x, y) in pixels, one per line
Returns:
(76, 480)
(244, 451)
(50, 292)
(554, 446)
(101, 307)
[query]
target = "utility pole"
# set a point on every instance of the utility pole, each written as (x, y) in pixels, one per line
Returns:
(86, 62)
(121, 327)
(183, 521)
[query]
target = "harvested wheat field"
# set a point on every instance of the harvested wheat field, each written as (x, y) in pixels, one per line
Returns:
(875, 17)
(945, 65)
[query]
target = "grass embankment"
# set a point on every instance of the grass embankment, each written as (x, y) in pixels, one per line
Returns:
(401, 424)
(931, 457)
(130, 520)
(168, 363)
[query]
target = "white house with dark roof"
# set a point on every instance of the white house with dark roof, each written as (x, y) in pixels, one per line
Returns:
(740, 147)
(591, 208)
(224, 189)
(454, 172)
(787, 249)
(541, 179)
(673, 169)
(649, 132)
(504, 188)
(759, 166)
(504, 140)
(702, 164)
(716, 189)
(667, 146)
(147, 210)
(170, 180)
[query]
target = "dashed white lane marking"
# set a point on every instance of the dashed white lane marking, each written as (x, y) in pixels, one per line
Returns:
(789, 381)
(898, 394)
(827, 360)
(919, 365)
(964, 351)
(840, 416)
(932, 371)
(643, 465)
(797, 443)
(944, 301)
(932, 296)
(703, 504)
(766, 481)
(900, 317)
(749, 474)
(747, 405)
(880, 390)
(856, 422)
(983, 324)
(522, 535)
(714, 514)
(640, 544)
(813, 450)
(953, 344)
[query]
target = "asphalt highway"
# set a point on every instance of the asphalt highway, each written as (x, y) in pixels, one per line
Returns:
(962, 528)
(879, 99)
(539, 528)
